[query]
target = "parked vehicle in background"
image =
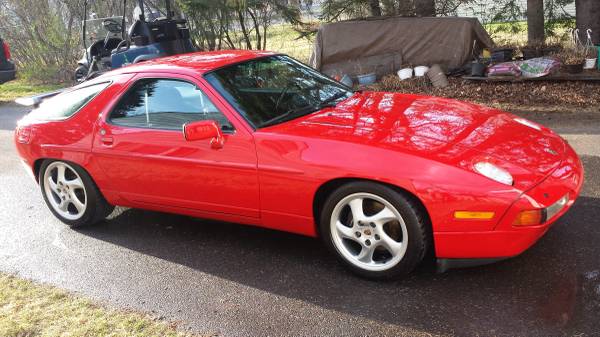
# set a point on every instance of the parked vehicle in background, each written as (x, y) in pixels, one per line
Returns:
(8, 71)
(154, 33)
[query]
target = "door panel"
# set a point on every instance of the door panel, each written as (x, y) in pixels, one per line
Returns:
(159, 167)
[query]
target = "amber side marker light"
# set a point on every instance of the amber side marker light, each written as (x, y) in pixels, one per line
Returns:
(530, 218)
(468, 215)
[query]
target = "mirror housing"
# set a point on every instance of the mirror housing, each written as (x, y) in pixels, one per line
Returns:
(200, 130)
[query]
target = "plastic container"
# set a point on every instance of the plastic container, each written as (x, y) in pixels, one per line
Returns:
(405, 73)
(365, 79)
(590, 63)
(347, 81)
(437, 76)
(420, 71)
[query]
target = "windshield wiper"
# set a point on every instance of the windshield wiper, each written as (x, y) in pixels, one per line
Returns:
(289, 115)
(330, 101)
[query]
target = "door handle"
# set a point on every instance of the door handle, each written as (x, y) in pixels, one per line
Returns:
(106, 140)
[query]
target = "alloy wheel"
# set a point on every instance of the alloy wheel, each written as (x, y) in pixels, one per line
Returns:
(368, 232)
(65, 190)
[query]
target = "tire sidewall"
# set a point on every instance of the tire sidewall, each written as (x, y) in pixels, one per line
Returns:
(416, 237)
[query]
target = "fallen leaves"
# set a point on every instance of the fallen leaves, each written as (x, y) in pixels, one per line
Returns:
(522, 94)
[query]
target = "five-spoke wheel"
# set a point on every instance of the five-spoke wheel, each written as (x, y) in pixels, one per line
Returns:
(375, 230)
(368, 231)
(71, 194)
(64, 190)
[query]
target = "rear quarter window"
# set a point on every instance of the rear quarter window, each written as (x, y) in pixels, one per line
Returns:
(65, 105)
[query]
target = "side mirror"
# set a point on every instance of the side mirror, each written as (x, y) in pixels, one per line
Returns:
(201, 130)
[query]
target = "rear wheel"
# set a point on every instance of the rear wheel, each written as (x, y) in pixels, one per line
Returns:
(374, 230)
(71, 194)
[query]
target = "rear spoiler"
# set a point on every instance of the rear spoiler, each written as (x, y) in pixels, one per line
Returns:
(36, 100)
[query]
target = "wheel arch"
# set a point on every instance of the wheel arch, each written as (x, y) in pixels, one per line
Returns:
(37, 165)
(331, 185)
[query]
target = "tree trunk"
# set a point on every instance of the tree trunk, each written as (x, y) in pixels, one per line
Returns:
(375, 7)
(244, 30)
(535, 21)
(425, 7)
(588, 17)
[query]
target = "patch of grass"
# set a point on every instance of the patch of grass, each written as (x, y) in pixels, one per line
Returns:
(30, 310)
(19, 88)
(284, 39)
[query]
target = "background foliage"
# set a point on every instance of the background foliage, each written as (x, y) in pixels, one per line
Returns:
(45, 35)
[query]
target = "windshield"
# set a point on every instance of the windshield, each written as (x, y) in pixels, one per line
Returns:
(95, 30)
(275, 89)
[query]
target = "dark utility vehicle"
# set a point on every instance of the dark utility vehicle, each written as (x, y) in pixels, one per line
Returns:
(153, 33)
(8, 70)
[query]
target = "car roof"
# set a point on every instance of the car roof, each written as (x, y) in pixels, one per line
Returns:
(198, 63)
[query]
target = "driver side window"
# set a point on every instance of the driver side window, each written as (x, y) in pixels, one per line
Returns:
(165, 104)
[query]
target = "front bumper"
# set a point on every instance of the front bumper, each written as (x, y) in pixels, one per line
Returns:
(507, 240)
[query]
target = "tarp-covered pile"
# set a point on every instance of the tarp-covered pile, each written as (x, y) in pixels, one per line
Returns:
(384, 45)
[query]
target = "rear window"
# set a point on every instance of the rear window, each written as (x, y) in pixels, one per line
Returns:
(65, 105)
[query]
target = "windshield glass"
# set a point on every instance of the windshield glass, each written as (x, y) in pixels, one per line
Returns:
(275, 89)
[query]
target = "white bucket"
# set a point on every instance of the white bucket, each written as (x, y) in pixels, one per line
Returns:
(590, 63)
(405, 73)
(420, 71)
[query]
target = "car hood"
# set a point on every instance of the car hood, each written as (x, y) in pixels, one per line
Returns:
(446, 130)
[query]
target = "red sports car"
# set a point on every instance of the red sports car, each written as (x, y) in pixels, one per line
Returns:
(261, 139)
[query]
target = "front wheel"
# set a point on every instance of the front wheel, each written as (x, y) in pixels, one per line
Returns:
(374, 230)
(71, 194)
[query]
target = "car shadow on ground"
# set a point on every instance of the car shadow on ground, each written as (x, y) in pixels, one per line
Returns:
(552, 289)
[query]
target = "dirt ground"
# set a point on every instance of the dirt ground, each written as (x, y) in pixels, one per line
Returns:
(521, 96)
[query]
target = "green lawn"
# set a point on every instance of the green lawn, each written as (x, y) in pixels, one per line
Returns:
(28, 309)
(515, 33)
(19, 88)
(284, 39)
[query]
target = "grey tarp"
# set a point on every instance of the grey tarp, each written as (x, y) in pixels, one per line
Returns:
(384, 45)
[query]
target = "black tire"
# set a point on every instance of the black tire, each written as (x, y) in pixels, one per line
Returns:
(96, 207)
(416, 222)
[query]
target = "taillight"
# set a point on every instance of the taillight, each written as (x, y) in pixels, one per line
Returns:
(23, 135)
(6, 50)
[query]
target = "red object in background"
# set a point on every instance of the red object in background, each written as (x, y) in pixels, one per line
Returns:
(270, 177)
(6, 50)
